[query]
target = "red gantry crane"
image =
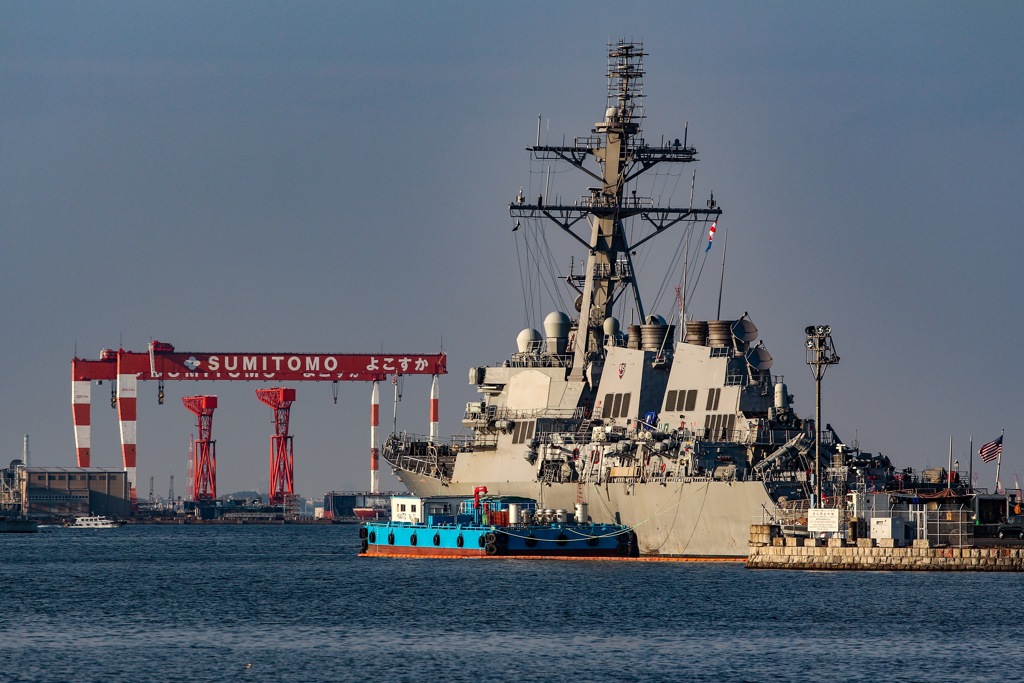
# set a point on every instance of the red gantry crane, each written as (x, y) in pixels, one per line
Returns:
(282, 457)
(204, 448)
(125, 369)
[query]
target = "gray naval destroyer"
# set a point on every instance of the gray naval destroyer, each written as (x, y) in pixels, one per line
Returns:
(688, 441)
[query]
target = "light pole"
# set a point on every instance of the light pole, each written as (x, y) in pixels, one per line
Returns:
(820, 354)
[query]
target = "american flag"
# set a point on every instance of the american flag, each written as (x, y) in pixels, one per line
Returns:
(991, 450)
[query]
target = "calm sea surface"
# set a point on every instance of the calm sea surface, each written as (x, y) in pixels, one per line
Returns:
(203, 603)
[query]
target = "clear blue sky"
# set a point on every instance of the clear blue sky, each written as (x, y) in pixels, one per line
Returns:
(333, 177)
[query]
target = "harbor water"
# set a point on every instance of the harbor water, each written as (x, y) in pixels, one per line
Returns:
(295, 603)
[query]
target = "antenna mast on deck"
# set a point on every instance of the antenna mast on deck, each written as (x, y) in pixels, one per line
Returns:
(622, 155)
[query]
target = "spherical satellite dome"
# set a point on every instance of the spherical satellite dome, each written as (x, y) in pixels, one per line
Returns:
(529, 341)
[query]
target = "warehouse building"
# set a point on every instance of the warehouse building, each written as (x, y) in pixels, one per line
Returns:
(75, 491)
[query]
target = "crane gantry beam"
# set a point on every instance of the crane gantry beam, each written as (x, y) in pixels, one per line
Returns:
(125, 369)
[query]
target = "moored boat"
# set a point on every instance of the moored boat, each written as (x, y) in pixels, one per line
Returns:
(368, 513)
(494, 526)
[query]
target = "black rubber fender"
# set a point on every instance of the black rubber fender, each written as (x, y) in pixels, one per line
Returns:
(437, 539)
(363, 532)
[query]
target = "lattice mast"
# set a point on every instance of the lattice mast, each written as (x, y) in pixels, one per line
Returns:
(621, 155)
(204, 448)
(282, 455)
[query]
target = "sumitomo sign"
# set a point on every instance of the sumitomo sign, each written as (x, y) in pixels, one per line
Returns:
(286, 367)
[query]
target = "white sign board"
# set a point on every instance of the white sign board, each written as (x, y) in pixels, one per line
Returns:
(823, 519)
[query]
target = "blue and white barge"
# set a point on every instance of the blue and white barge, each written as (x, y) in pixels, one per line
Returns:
(491, 526)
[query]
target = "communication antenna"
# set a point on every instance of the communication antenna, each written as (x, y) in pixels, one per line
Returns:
(721, 281)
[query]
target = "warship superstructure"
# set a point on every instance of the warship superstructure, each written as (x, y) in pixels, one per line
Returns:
(688, 438)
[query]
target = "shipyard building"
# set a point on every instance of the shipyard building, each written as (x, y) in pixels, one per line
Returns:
(47, 492)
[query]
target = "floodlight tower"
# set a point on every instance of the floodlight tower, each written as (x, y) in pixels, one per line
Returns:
(820, 354)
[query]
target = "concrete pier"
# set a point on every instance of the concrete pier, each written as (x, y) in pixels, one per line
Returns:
(768, 550)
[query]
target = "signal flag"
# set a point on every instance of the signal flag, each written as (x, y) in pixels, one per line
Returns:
(711, 236)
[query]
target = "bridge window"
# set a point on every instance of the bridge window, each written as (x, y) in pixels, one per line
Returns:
(713, 396)
(683, 400)
(719, 427)
(616, 405)
(523, 431)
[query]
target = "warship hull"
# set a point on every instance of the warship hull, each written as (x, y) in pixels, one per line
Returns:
(691, 518)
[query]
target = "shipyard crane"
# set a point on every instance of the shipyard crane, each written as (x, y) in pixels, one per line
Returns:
(282, 456)
(160, 363)
(204, 448)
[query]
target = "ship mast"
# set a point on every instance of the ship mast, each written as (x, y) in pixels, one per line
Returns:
(622, 155)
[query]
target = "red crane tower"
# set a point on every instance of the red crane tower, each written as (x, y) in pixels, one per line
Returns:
(204, 449)
(282, 458)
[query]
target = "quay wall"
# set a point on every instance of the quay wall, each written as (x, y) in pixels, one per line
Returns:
(769, 551)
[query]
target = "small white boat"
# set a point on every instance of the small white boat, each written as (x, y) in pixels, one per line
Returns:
(93, 522)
